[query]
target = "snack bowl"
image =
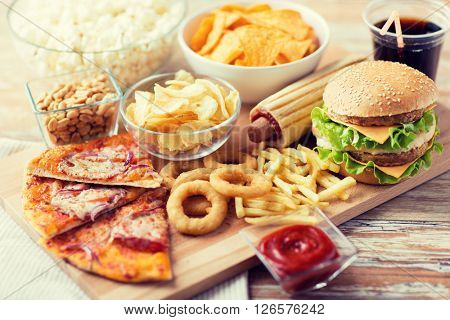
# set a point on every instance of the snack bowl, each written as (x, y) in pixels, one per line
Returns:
(76, 35)
(256, 83)
(166, 145)
(90, 106)
(306, 279)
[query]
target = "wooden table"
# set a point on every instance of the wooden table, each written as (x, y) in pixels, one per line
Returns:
(404, 244)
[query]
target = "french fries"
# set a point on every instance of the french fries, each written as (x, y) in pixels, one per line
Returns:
(300, 216)
(300, 179)
(337, 188)
(266, 205)
(238, 203)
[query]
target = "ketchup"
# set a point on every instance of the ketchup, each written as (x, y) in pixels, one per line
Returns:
(294, 251)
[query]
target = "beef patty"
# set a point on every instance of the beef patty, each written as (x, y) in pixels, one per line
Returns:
(391, 159)
(407, 117)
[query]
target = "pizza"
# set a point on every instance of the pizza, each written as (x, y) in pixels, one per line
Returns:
(130, 244)
(54, 206)
(114, 160)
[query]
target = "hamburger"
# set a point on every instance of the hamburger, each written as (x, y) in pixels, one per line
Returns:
(377, 121)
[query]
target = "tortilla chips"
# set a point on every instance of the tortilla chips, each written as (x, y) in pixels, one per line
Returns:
(254, 36)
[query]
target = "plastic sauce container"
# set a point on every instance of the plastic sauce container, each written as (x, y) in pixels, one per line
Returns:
(301, 256)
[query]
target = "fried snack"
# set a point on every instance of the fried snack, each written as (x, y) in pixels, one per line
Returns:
(198, 205)
(185, 107)
(299, 178)
(284, 117)
(173, 169)
(196, 226)
(299, 216)
(225, 180)
(256, 35)
(239, 207)
(222, 159)
(193, 175)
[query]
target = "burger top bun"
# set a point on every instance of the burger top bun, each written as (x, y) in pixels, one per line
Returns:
(379, 88)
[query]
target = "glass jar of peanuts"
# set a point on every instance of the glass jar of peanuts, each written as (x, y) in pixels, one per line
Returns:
(75, 107)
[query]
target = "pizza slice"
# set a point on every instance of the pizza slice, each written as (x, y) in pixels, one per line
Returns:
(55, 206)
(113, 160)
(130, 244)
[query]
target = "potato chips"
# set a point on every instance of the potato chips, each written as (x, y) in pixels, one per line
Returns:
(183, 106)
(254, 36)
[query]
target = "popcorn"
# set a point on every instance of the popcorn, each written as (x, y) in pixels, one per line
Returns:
(132, 37)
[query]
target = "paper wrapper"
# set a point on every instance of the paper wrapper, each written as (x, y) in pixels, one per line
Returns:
(289, 109)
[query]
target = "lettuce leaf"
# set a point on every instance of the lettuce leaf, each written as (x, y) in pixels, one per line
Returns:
(357, 168)
(341, 136)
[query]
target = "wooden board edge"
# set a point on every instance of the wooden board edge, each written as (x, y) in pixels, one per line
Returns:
(220, 268)
(390, 194)
(242, 264)
(247, 262)
(221, 275)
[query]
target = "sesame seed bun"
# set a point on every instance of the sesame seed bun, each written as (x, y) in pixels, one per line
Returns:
(379, 89)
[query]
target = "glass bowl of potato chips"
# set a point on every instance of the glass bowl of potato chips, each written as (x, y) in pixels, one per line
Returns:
(180, 116)
(259, 47)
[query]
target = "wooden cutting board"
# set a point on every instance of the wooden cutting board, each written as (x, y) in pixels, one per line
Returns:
(202, 262)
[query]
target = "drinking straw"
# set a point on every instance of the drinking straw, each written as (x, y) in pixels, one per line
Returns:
(398, 32)
(394, 18)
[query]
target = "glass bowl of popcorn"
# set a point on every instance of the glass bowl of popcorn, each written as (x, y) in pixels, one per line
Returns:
(180, 116)
(132, 38)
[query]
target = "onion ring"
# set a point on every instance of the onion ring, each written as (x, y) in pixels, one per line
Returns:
(255, 184)
(221, 159)
(197, 174)
(173, 169)
(194, 206)
(196, 226)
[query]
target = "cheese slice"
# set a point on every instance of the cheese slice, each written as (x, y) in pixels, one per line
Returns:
(397, 171)
(378, 134)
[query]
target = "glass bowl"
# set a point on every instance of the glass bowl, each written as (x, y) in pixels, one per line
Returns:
(319, 275)
(78, 122)
(204, 142)
(51, 42)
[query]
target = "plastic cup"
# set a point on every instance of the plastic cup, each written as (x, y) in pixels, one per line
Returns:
(421, 51)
